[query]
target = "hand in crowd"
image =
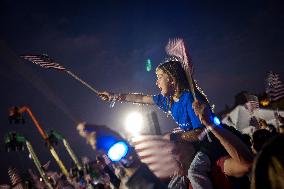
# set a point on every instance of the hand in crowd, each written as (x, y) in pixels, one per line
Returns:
(279, 118)
(89, 136)
(36, 180)
(81, 129)
(106, 96)
(202, 111)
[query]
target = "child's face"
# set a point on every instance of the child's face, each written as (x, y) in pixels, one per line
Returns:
(164, 83)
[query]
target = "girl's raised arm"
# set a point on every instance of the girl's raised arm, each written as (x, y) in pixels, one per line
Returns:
(132, 97)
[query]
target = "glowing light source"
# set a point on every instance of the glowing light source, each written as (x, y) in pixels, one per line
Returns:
(148, 65)
(264, 102)
(216, 121)
(133, 123)
(117, 151)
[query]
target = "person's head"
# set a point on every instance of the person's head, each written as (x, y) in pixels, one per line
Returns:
(262, 124)
(281, 129)
(246, 139)
(271, 128)
(268, 168)
(171, 78)
(259, 138)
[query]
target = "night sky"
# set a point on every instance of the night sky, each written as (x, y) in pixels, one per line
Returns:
(107, 43)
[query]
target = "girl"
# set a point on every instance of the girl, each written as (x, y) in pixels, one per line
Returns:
(176, 99)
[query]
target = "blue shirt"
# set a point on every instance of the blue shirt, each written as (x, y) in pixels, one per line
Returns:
(181, 111)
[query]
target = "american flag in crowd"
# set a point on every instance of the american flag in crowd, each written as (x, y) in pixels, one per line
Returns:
(44, 61)
(274, 88)
(106, 159)
(252, 103)
(157, 153)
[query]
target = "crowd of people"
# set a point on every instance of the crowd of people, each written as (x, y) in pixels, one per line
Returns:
(220, 157)
(223, 156)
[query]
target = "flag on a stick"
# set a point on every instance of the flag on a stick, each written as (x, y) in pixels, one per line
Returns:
(43, 61)
(46, 62)
(274, 88)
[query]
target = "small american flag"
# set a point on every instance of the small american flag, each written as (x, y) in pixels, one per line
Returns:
(176, 48)
(274, 88)
(252, 103)
(43, 61)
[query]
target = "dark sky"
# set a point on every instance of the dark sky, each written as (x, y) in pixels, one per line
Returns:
(233, 45)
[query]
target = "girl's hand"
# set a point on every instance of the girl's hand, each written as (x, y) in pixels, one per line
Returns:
(106, 96)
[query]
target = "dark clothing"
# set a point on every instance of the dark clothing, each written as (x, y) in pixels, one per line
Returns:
(143, 178)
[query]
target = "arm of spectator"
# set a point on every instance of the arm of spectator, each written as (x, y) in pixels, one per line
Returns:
(241, 158)
(279, 118)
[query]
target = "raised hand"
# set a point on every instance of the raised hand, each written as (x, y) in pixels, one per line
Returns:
(202, 111)
(106, 96)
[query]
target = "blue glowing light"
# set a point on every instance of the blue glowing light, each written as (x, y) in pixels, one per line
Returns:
(117, 151)
(216, 121)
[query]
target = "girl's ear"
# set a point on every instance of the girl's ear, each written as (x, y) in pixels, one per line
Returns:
(173, 81)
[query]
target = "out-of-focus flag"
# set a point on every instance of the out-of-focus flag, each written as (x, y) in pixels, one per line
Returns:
(43, 61)
(274, 87)
(156, 152)
(106, 159)
(163, 157)
(252, 103)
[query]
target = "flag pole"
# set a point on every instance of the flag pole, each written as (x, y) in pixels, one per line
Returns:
(82, 81)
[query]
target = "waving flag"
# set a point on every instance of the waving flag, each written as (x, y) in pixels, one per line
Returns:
(163, 157)
(176, 48)
(274, 88)
(43, 61)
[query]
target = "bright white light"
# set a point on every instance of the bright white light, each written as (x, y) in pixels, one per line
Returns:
(30, 156)
(133, 123)
(117, 151)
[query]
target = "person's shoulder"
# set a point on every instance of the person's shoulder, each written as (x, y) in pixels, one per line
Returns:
(158, 96)
(159, 99)
(186, 95)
